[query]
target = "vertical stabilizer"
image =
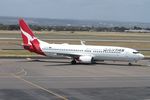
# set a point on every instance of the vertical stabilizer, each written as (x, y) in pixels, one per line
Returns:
(30, 42)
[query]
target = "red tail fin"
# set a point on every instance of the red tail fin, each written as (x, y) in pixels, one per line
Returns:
(29, 41)
(26, 32)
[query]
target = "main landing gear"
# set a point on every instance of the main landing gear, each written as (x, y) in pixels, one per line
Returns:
(73, 62)
(130, 64)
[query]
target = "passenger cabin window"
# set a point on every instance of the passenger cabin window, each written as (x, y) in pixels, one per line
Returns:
(136, 52)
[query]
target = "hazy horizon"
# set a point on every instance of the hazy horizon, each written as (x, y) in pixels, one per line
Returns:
(107, 10)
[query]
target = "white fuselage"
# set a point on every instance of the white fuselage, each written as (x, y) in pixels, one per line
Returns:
(97, 52)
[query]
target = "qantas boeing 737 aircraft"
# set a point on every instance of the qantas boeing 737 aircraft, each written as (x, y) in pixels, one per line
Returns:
(79, 53)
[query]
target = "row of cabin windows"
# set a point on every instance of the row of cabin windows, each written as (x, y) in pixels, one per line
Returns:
(72, 50)
(68, 50)
(86, 50)
(105, 51)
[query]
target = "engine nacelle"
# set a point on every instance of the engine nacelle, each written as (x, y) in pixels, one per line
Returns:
(86, 59)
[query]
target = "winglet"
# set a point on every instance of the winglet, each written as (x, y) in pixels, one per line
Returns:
(82, 42)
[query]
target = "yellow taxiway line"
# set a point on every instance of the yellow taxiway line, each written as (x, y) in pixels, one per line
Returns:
(44, 89)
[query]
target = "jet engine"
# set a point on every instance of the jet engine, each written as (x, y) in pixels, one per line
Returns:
(86, 59)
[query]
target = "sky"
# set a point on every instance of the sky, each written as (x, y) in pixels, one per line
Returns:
(108, 10)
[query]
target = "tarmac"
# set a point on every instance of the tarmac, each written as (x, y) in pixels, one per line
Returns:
(57, 79)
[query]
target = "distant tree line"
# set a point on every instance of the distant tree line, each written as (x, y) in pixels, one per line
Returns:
(9, 27)
(71, 28)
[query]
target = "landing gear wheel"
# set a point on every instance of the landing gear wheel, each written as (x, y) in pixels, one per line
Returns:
(73, 62)
(130, 64)
(93, 61)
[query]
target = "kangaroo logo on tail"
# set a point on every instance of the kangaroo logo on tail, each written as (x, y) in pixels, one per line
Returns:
(30, 42)
(26, 32)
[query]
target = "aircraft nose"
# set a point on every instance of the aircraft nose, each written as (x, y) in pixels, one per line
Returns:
(141, 56)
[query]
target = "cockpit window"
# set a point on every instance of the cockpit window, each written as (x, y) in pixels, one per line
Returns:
(136, 52)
